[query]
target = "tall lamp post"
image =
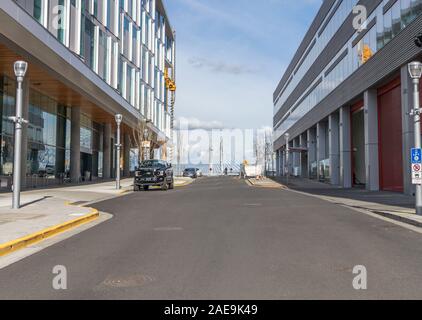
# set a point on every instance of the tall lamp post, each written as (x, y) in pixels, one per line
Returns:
(20, 68)
(287, 136)
(145, 142)
(118, 118)
(415, 71)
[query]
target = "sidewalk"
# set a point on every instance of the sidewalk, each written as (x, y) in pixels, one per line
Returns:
(391, 205)
(47, 212)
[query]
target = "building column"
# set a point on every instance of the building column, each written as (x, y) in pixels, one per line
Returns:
(282, 163)
(107, 151)
(321, 145)
(25, 115)
(303, 165)
(334, 148)
(407, 129)
(371, 140)
(277, 162)
(291, 157)
(311, 150)
(345, 148)
(75, 145)
(126, 155)
(297, 160)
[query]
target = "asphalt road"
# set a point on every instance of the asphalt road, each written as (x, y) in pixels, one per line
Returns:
(222, 239)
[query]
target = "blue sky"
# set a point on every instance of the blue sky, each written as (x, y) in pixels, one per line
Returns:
(231, 55)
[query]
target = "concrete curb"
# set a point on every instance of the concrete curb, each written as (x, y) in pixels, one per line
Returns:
(276, 185)
(379, 213)
(183, 183)
(20, 243)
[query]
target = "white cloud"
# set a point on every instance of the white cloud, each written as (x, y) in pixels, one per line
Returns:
(192, 123)
(230, 55)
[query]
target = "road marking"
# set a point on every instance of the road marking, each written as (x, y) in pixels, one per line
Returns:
(168, 229)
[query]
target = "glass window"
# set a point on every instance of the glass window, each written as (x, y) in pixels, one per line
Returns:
(129, 83)
(416, 7)
(102, 55)
(86, 138)
(89, 43)
(405, 12)
(134, 43)
(126, 37)
(61, 22)
(120, 78)
(388, 25)
(396, 19)
(38, 10)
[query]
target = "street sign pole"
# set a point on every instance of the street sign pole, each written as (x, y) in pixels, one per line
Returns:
(287, 136)
(418, 146)
(415, 70)
(20, 68)
(118, 119)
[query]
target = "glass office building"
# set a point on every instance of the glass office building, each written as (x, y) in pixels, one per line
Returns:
(344, 96)
(88, 60)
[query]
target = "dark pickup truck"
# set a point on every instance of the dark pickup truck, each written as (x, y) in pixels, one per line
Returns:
(152, 173)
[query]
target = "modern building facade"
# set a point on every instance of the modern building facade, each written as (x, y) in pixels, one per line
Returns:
(88, 61)
(345, 97)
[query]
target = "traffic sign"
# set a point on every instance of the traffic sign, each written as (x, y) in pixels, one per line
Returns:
(416, 156)
(416, 178)
(416, 166)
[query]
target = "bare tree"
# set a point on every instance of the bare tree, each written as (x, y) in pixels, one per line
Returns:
(141, 133)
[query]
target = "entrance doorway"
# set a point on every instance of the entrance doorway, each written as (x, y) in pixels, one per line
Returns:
(86, 166)
(358, 145)
(390, 137)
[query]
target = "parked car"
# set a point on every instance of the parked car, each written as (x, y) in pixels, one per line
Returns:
(154, 173)
(190, 173)
(199, 172)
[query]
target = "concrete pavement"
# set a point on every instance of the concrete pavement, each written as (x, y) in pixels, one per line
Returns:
(222, 239)
(392, 205)
(46, 212)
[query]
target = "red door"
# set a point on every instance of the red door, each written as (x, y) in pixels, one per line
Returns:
(390, 137)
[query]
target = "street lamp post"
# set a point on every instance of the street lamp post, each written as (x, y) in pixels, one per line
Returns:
(287, 136)
(118, 118)
(146, 134)
(20, 68)
(415, 71)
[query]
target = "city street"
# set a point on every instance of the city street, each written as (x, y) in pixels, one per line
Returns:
(220, 238)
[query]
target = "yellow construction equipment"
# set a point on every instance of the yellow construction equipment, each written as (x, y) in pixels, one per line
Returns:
(170, 84)
(366, 53)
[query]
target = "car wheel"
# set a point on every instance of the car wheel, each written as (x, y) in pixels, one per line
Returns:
(171, 185)
(146, 188)
(136, 188)
(165, 186)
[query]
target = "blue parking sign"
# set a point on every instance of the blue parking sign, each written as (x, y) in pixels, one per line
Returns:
(416, 156)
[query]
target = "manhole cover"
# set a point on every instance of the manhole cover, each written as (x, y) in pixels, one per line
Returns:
(128, 281)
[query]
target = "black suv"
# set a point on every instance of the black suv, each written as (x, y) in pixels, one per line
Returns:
(153, 173)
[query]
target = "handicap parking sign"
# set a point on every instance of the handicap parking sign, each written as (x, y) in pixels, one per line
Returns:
(416, 156)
